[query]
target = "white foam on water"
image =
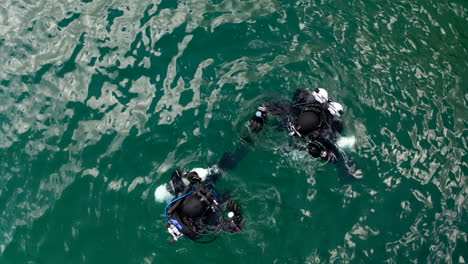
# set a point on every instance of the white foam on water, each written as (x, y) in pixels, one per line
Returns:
(346, 142)
(296, 155)
(162, 195)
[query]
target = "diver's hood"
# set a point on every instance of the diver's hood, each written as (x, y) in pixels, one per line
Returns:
(320, 95)
(193, 207)
(308, 122)
(202, 173)
(196, 204)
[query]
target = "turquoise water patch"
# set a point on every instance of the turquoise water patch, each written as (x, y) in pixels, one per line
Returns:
(101, 100)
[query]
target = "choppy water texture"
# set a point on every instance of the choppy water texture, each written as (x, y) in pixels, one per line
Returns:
(102, 99)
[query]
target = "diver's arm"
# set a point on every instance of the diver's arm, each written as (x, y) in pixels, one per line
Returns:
(231, 226)
(268, 108)
(228, 161)
(258, 119)
(337, 125)
(346, 167)
(334, 153)
(303, 96)
(325, 149)
(236, 221)
(177, 183)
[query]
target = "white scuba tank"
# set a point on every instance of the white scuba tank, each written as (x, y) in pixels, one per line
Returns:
(163, 192)
(320, 95)
(336, 109)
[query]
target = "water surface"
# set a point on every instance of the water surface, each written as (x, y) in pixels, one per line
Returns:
(101, 100)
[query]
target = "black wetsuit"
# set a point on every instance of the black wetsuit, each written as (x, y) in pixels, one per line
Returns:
(346, 166)
(329, 127)
(324, 134)
(207, 218)
(201, 210)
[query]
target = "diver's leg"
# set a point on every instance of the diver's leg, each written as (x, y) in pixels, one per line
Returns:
(228, 161)
(212, 178)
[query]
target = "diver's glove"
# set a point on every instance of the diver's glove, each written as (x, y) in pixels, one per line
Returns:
(315, 149)
(236, 217)
(257, 120)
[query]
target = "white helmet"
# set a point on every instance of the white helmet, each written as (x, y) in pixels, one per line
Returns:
(320, 95)
(336, 109)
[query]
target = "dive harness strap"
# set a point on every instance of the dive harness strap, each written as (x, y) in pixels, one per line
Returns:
(293, 131)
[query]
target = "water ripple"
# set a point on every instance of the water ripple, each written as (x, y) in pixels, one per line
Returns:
(102, 99)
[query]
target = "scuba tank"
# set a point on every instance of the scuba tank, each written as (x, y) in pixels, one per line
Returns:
(188, 213)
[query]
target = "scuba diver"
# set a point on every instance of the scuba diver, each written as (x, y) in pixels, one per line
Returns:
(313, 117)
(199, 212)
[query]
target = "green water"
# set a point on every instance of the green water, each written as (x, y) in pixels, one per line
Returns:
(102, 99)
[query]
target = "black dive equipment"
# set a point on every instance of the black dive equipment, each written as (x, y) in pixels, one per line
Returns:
(196, 214)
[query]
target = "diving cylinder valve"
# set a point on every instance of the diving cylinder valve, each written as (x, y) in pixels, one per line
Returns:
(175, 233)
